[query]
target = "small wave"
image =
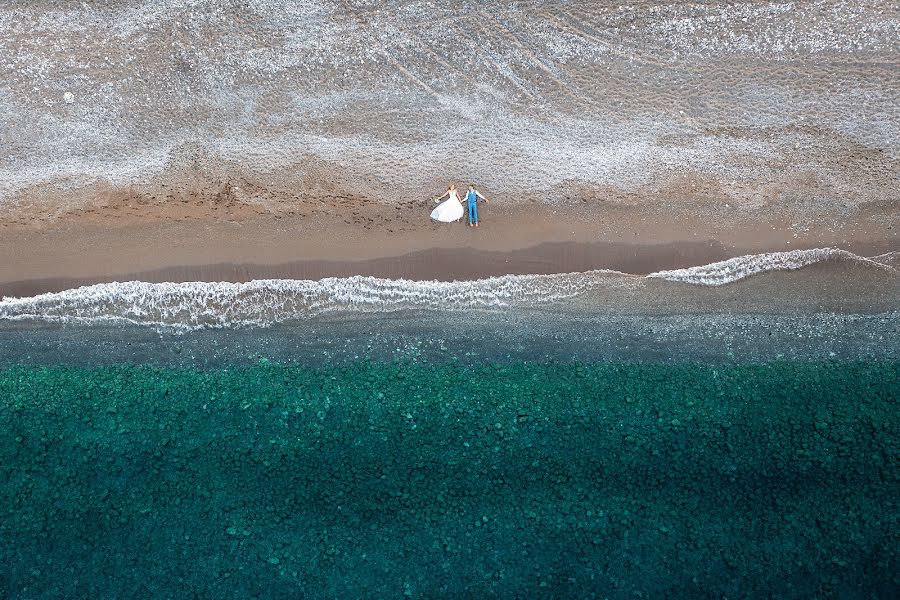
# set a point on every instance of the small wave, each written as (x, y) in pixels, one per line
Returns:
(888, 259)
(195, 305)
(741, 267)
(260, 303)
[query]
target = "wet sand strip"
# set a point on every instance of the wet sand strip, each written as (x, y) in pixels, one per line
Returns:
(443, 264)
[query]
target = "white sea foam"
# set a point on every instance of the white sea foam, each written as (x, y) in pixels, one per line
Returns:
(194, 305)
(259, 303)
(741, 267)
(888, 259)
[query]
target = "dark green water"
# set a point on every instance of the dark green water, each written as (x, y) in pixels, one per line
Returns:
(440, 480)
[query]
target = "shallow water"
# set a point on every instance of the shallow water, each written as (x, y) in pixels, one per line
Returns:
(799, 281)
(724, 430)
(425, 479)
(549, 451)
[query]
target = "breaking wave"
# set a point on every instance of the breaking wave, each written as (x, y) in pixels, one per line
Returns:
(741, 267)
(262, 302)
(259, 303)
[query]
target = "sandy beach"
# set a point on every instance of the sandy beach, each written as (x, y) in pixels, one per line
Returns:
(239, 360)
(286, 139)
(340, 237)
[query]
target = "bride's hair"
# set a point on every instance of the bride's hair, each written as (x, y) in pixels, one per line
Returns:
(452, 186)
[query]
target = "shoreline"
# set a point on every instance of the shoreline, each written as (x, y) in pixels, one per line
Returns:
(537, 239)
(440, 264)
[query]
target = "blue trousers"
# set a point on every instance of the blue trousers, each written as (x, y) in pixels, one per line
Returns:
(473, 212)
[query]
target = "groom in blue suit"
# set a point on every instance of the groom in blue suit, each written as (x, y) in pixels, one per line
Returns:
(472, 197)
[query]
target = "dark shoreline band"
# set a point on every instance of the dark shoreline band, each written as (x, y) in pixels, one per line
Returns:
(442, 264)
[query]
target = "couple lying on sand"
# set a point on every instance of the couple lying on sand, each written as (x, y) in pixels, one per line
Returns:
(451, 209)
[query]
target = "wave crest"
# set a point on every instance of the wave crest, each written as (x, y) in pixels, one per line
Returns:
(741, 267)
(194, 305)
(259, 303)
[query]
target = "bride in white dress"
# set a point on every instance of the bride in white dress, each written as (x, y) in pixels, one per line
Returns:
(450, 209)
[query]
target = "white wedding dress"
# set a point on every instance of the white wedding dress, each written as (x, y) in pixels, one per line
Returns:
(449, 210)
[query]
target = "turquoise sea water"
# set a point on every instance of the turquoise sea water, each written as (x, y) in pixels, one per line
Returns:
(566, 436)
(410, 478)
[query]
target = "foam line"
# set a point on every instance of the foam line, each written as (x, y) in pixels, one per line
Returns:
(741, 267)
(193, 305)
(259, 303)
